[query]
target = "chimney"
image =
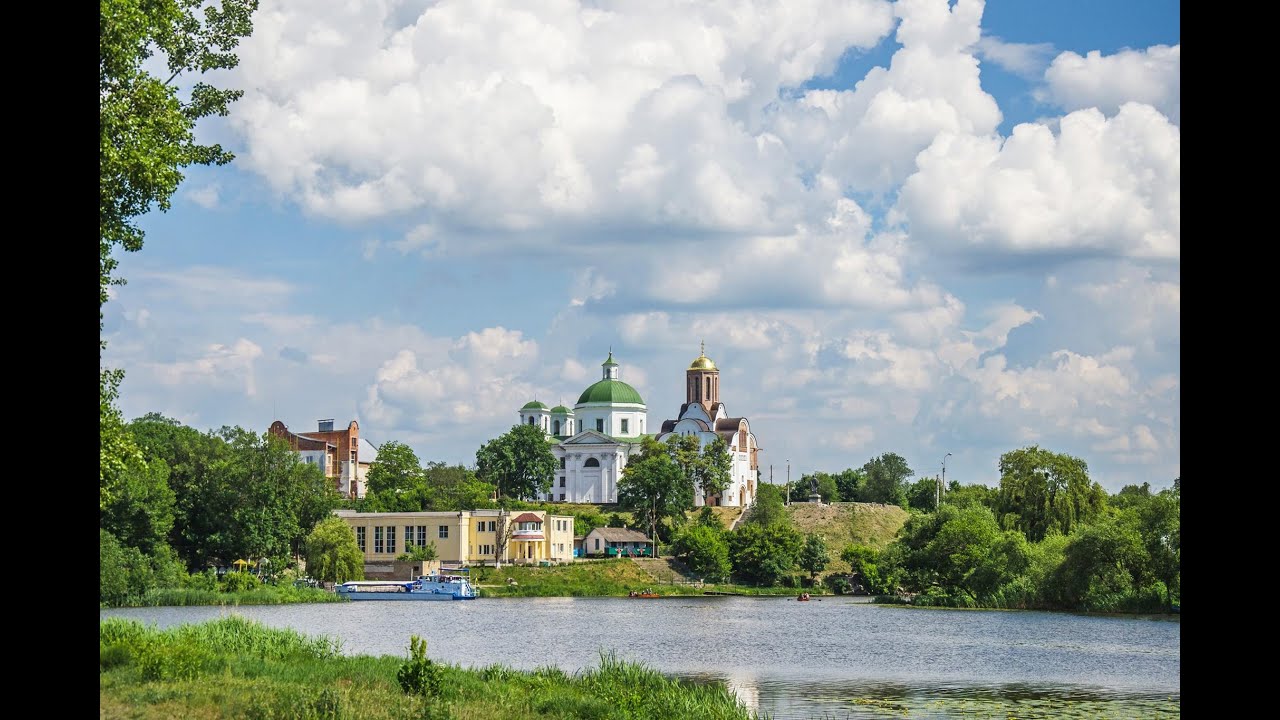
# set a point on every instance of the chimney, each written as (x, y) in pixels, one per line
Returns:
(326, 425)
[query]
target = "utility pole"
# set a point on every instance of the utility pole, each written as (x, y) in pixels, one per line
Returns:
(942, 487)
(787, 496)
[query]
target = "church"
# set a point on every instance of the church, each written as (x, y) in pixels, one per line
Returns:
(593, 440)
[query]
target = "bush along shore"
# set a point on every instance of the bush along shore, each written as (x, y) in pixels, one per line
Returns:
(234, 667)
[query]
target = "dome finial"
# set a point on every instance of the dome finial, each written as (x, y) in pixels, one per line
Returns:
(702, 351)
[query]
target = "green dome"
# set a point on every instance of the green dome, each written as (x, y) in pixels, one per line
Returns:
(534, 405)
(561, 410)
(614, 391)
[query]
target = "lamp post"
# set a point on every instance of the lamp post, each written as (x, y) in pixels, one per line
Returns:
(943, 485)
(787, 495)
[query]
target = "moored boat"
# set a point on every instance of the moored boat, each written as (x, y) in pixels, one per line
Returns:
(426, 587)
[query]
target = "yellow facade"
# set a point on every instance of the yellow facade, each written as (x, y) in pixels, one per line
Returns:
(468, 537)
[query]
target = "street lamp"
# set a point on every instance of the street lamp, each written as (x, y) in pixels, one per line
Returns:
(942, 487)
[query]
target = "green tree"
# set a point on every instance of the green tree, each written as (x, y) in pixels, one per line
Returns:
(420, 553)
(704, 550)
(764, 554)
(814, 557)
(397, 469)
(922, 494)
(1103, 566)
(768, 509)
(519, 463)
(455, 487)
(828, 488)
(146, 125)
(714, 468)
(850, 485)
(142, 511)
(1043, 492)
(886, 479)
(332, 552)
(653, 487)
(864, 564)
(118, 452)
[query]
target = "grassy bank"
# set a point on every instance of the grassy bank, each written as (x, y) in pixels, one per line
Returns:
(262, 595)
(597, 578)
(236, 668)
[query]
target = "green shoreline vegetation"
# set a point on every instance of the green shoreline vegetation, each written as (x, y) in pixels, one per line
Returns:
(234, 667)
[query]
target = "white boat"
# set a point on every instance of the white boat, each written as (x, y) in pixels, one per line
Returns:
(426, 587)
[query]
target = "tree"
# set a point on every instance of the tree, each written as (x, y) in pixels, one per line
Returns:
(922, 494)
(886, 479)
(814, 557)
(653, 487)
(849, 485)
(519, 463)
(455, 487)
(828, 488)
(396, 470)
(764, 554)
(420, 553)
(332, 552)
(768, 508)
(1043, 492)
(142, 511)
(118, 452)
(703, 549)
(146, 126)
(714, 468)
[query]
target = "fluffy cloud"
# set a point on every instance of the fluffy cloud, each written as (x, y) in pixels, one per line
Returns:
(1025, 59)
(1100, 187)
(1152, 76)
(510, 116)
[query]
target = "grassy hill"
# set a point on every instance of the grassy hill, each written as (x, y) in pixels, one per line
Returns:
(844, 523)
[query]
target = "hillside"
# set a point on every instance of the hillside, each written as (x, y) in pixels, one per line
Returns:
(844, 523)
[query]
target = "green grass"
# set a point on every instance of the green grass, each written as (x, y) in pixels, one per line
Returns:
(598, 578)
(264, 595)
(844, 523)
(236, 668)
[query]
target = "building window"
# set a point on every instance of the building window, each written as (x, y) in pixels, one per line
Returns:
(561, 481)
(377, 539)
(391, 538)
(360, 538)
(624, 426)
(591, 462)
(561, 497)
(444, 532)
(493, 525)
(599, 424)
(597, 543)
(561, 463)
(530, 420)
(708, 388)
(479, 526)
(422, 536)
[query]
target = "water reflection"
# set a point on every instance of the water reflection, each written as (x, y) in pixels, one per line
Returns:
(832, 659)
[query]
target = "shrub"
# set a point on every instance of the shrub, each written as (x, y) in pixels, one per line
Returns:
(234, 582)
(418, 675)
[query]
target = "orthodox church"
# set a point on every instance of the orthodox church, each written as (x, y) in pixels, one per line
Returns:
(593, 440)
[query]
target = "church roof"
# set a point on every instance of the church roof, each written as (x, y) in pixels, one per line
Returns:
(610, 391)
(533, 405)
(562, 410)
(702, 362)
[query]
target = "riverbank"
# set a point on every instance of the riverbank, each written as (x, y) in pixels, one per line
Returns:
(261, 595)
(233, 667)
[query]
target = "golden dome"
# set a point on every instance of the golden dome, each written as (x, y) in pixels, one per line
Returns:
(702, 362)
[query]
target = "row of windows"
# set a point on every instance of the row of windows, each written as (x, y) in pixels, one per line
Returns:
(384, 537)
(491, 524)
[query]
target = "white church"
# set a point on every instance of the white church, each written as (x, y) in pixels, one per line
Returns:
(605, 427)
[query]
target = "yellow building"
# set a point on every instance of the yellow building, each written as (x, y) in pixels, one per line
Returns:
(466, 537)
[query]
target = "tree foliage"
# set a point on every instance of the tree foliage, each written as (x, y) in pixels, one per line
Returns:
(332, 552)
(764, 554)
(1043, 492)
(704, 549)
(146, 123)
(886, 479)
(519, 463)
(814, 556)
(653, 487)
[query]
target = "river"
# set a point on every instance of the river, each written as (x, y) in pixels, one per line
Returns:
(834, 657)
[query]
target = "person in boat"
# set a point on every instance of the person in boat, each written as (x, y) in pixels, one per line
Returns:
(804, 596)
(631, 594)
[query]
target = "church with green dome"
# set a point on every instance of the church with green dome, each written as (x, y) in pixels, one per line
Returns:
(593, 440)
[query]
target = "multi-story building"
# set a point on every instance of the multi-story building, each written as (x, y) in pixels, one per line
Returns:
(465, 537)
(343, 456)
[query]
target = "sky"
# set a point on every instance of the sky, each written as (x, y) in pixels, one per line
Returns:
(942, 230)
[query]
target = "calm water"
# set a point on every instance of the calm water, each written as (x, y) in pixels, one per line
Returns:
(829, 658)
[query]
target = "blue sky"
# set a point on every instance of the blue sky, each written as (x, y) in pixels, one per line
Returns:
(912, 227)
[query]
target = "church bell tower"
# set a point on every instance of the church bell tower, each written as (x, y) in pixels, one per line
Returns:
(702, 381)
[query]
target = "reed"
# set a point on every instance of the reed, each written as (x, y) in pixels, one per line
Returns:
(234, 667)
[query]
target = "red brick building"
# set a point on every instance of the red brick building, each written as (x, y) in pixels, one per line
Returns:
(337, 452)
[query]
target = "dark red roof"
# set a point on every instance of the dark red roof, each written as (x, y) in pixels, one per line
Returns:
(528, 517)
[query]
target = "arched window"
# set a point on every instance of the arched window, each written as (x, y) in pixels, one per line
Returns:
(708, 387)
(530, 419)
(557, 427)
(591, 462)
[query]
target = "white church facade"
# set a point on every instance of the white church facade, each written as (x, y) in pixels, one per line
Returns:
(593, 440)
